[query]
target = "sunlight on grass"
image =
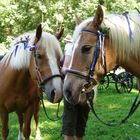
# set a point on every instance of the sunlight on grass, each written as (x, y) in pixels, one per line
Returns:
(51, 104)
(134, 91)
(112, 106)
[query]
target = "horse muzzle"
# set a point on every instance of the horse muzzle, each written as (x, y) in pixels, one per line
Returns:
(53, 92)
(53, 95)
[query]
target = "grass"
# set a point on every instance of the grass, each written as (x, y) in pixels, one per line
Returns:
(110, 106)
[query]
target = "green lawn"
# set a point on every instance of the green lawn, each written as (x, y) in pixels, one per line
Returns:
(110, 106)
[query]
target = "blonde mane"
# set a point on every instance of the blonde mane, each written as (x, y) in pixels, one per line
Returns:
(19, 55)
(79, 28)
(119, 33)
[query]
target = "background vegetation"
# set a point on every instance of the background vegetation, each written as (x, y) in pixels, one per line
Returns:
(19, 16)
(110, 106)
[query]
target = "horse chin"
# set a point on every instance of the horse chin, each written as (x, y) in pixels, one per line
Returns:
(71, 100)
(72, 91)
(79, 99)
(82, 99)
(58, 96)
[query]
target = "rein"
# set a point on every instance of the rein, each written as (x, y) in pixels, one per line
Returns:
(133, 108)
(57, 112)
(130, 30)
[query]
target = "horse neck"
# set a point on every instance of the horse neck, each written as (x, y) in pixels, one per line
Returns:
(117, 57)
(131, 65)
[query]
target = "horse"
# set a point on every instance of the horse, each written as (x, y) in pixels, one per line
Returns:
(100, 43)
(31, 66)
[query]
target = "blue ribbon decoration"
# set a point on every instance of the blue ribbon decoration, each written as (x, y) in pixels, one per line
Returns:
(130, 30)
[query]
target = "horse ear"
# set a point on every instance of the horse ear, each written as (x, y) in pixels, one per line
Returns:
(60, 33)
(77, 20)
(38, 33)
(99, 15)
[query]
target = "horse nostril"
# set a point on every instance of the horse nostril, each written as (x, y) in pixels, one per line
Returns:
(68, 93)
(52, 95)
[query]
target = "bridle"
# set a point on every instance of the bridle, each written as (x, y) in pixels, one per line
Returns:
(99, 48)
(89, 78)
(41, 81)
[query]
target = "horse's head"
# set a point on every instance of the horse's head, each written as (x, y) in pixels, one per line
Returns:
(89, 59)
(45, 64)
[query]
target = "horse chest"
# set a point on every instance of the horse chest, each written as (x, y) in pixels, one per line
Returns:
(16, 104)
(21, 104)
(19, 101)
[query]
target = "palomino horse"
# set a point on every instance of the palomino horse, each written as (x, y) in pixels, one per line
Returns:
(33, 61)
(100, 43)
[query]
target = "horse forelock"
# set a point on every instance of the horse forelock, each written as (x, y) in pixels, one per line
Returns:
(19, 55)
(76, 35)
(50, 43)
(79, 28)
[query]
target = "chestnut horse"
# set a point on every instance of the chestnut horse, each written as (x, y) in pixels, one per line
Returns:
(32, 62)
(101, 43)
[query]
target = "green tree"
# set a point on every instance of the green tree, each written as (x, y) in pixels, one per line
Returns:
(19, 16)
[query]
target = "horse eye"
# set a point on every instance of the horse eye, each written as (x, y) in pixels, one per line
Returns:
(38, 56)
(86, 49)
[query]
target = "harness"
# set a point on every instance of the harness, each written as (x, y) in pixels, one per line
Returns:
(99, 48)
(41, 81)
(133, 108)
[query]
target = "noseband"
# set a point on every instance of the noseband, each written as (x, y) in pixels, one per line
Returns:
(98, 48)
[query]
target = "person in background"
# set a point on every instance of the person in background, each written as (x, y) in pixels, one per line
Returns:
(74, 116)
(67, 52)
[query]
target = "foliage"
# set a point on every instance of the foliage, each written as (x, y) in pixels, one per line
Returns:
(21, 16)
(121, 6)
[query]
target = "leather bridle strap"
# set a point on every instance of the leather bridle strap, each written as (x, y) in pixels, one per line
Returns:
(38, 74)
(98, 48)
(99, 43)
(41, 82)
(80, 75)
(50, 77)
(57, 112)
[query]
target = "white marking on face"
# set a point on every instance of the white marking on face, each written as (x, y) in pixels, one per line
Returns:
(50, 53)
(55, 70)
(75, 46)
